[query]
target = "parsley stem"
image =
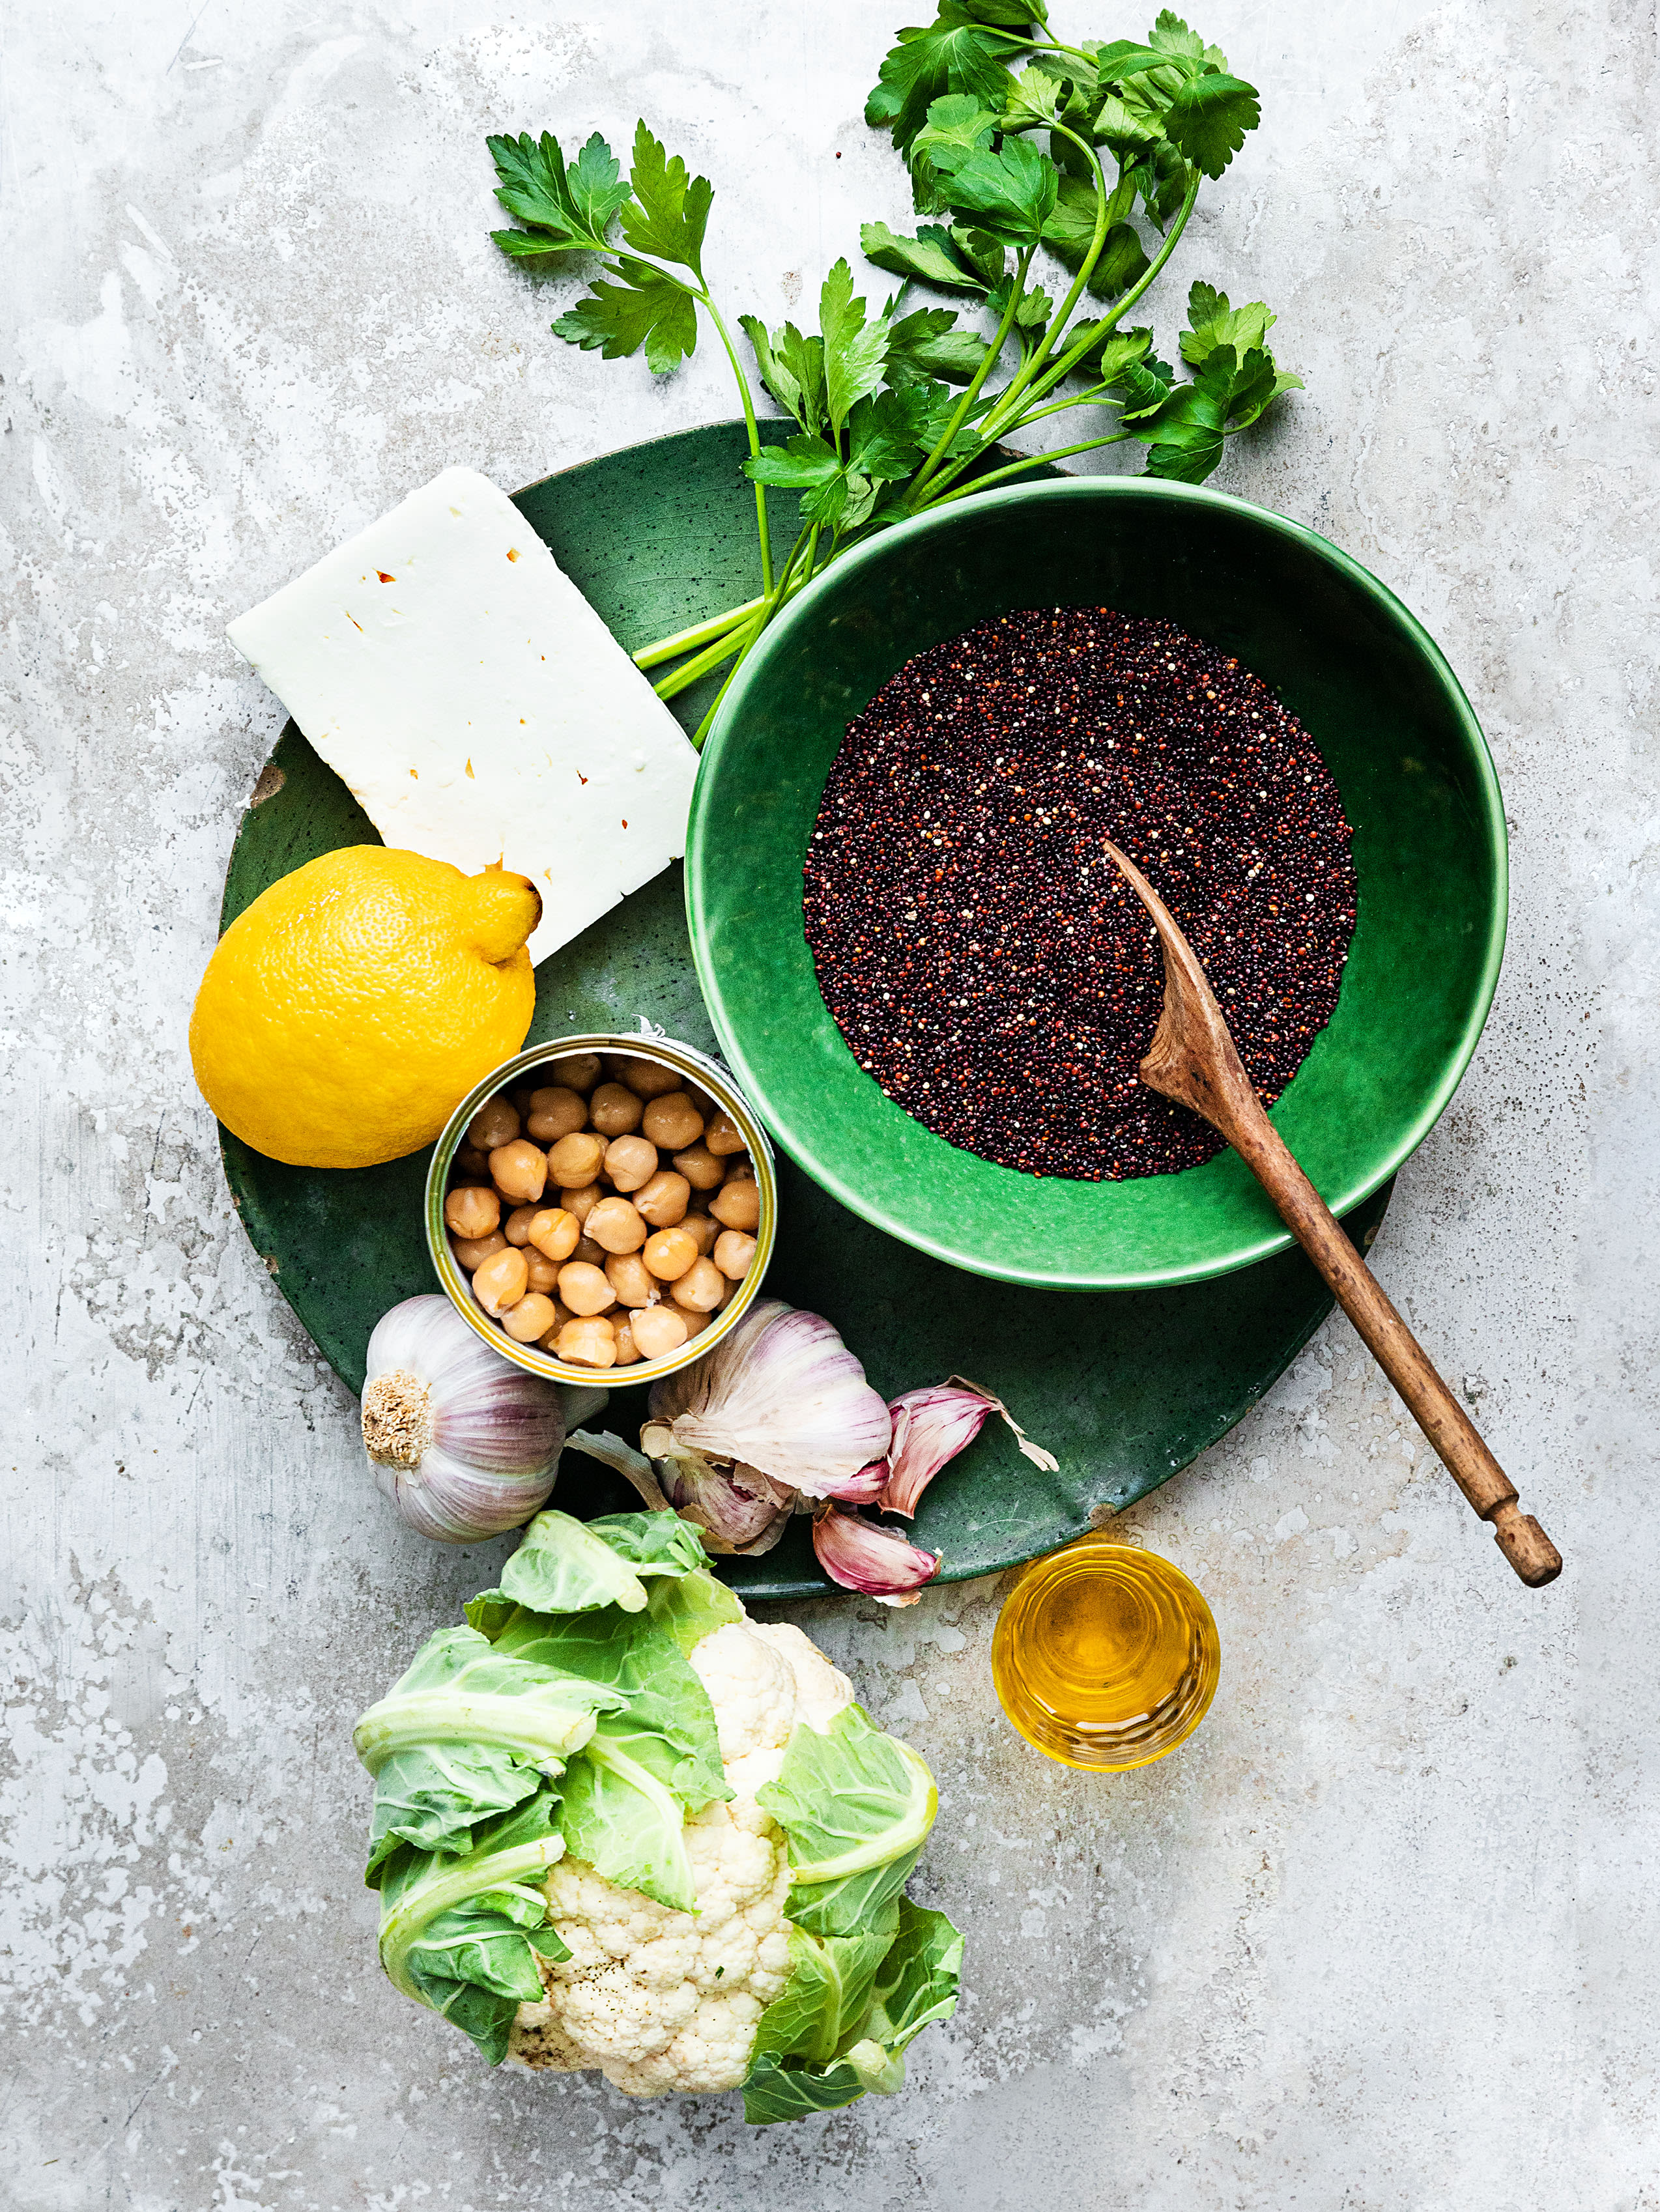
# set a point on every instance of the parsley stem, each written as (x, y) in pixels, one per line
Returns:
(687, 641)
(1043, 45)
(788, 587)
(1011, 393)
(724, 647)
(1032, 461)
(960, 413)
(744, 393)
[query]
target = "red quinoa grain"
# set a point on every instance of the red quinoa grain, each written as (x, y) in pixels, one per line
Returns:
(979, 952)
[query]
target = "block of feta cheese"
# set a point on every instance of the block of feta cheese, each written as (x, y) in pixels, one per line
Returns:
(453, 676)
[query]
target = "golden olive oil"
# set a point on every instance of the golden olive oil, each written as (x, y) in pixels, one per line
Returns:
(1105, 1657)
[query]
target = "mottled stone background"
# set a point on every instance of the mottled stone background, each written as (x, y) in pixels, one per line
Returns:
(1382, 1935)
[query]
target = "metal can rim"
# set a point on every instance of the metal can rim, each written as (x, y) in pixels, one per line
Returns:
(709, 1074)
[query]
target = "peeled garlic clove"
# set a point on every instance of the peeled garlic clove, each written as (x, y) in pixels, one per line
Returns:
(863, 1556)
(465, 1443)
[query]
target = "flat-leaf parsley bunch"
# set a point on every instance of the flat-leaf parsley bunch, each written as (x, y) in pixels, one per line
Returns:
(899, 411)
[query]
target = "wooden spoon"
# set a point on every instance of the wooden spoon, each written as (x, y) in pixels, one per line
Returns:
(1193, 1058)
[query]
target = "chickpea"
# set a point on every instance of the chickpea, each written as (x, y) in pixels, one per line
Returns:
(471, 1252)
(577, 1071)
(574, 1160)
(582, 1202)
(663, 1200)
(723, 1136)
(669, 1254)
(590, 1253)
(630, 1161)
(531, 1319)
(589, 1342)
(673, 1121)
(737, 1204)
(615, 1224)
(584, 1289)
(519, 1170)
(658, 1329)
(700, 1287)
(627, 1350)
(556, 1112)
(501, 1281)
(469, 1164)
(648, 1078)
(494, 1123)
(734, 1253)
(516, 1227)
(544, 1271)
(632, 1280)
(700, 1167)
(702, 1231)
(472, 1210)
(554, 1232)
(615, 1110)
(561, 1315)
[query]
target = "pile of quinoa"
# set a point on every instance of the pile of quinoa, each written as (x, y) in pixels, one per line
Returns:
(978, 950)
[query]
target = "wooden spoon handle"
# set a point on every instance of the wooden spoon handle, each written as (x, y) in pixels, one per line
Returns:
(1396, 1349)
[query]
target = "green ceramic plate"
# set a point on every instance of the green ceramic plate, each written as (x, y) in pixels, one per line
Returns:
(1125, 1387)
(1365, 680)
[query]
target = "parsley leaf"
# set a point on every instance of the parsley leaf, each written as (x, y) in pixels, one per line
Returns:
(1012, 191)
(1208, 119)
(648, 309)
(1214, 323)
(670, 210)
(1035, 99)
(853, 348)
(925, 344)
(1070, 232)
(954, 54)
(1185, 429)
(959, 120)
(570, 209)
(808, 466)
(792, 368)
(931, 258)
(1110, 354)
(1012, 15)
(885, 431)
(1170, 35)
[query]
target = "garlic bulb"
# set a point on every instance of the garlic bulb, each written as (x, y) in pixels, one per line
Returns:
(782, 1394)
(464, 1442)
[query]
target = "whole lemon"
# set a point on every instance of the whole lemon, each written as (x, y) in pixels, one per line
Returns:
(348, 1012)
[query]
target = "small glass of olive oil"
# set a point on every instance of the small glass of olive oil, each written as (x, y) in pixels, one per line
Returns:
(1104, 1656)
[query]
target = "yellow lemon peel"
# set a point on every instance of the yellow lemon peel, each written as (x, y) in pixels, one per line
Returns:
(348, 1010)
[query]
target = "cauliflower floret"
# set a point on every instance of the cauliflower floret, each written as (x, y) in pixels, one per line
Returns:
(821, 1689)
(660, 2001)
(751, 1685)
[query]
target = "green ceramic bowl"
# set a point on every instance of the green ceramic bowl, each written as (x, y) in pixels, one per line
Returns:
(1364, 677)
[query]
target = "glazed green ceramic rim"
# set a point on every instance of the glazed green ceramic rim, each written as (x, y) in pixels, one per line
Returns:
(685, 1061)
(702, 862)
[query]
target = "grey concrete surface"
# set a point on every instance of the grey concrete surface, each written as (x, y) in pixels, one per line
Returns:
(1382, 1936)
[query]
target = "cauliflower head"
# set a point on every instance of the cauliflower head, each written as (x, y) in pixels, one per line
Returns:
(659, 2000)
(620, 1826)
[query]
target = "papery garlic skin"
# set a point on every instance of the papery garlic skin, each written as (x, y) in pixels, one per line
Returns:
(465, 1443)
(782, 1394)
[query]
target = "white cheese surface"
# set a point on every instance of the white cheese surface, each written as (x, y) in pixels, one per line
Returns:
(455, 678)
